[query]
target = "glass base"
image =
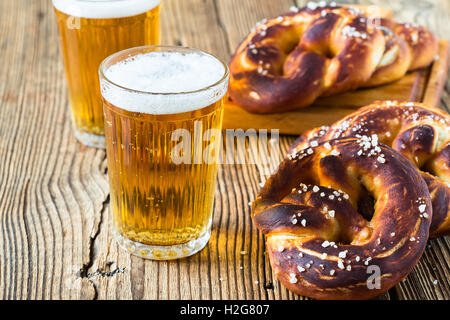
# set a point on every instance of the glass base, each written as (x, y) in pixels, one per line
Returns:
(163, 252)
(90, 139)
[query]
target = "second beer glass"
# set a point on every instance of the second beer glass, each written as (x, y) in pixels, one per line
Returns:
(163, 117)
(91, 30)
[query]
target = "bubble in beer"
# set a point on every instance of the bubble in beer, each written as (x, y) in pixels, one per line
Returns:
(165, 82)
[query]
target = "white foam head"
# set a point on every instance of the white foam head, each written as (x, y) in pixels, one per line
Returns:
(104, 9)
(165, 82)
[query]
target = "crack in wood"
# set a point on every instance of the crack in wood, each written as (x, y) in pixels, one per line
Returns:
(104, 165)
(84, 271)
(104, 274)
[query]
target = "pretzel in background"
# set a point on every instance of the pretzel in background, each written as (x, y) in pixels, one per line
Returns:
(288, 62)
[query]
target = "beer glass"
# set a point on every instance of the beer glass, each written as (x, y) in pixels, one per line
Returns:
(91, 30)
(163, 116)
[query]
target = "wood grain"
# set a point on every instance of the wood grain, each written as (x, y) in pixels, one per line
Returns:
(55, 236)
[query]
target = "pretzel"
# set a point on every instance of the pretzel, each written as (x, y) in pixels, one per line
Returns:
(319, 245)
(288, 62)
(419, 133)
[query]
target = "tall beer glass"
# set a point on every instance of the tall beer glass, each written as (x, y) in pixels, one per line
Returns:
(91, 30)
(163, 117)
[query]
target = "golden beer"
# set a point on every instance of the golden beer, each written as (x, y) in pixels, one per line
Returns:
(90, 31)
(162, 205)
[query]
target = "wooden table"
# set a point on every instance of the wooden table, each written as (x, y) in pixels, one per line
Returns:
(55, 235)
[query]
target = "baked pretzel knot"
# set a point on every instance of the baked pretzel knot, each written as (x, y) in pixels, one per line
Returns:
(419, 133)
(318, 243)
(288, 62)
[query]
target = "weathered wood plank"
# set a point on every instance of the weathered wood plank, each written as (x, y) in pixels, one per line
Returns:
(52, 188)
(55, 230)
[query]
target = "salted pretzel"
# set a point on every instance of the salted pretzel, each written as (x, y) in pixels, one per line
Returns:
(318, 243)
(288, 62)
(418, 132)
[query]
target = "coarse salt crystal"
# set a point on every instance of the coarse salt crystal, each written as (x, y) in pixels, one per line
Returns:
(292, 278)
(335, 153)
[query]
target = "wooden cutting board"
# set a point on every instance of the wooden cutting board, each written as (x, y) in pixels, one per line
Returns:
(425, 86)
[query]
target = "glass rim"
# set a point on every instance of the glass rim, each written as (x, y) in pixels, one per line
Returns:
(104, 1)
(168, 48)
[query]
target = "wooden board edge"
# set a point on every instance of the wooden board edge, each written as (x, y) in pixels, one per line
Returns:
(438, 76)
(419, 86)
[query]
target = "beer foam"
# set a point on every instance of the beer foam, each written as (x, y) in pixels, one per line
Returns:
(180, 82)
(104, 9)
